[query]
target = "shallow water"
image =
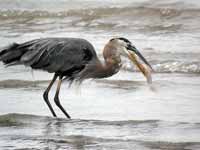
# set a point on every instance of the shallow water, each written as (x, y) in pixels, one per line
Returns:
(45, 132)
(121, 112)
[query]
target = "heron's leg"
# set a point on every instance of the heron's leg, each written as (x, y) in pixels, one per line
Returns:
(56, 98)
(46, 92)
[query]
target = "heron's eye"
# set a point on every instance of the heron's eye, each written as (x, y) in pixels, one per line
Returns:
(128, 46)
(112, 39)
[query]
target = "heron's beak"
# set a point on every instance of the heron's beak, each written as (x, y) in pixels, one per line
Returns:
(144, 67)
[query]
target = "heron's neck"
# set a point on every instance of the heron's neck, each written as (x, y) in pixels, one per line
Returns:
(111, 64)
(109, 67)
(103, 69)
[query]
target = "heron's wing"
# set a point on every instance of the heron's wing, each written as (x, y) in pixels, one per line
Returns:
(56, 54)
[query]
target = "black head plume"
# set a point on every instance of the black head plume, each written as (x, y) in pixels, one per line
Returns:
(122, 39)
(125, 40)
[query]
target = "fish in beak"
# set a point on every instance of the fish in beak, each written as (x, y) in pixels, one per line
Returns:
(136, 57)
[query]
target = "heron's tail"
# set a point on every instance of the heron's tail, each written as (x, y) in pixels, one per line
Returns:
(11, 55)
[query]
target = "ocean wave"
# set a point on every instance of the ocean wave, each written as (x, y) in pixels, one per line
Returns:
(141, 19)
(11, 119)
(17, 119)
(129, 11)
(25, 131)
(170, 67)
(179, 67)
(169, 62)
(20, 83)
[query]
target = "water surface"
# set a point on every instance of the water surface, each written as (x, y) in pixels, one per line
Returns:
(121, 112)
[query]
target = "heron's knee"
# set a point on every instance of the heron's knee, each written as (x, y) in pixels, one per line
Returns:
(57, 101)
(45, 95)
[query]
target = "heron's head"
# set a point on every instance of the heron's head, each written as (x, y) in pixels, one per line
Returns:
(127, 49)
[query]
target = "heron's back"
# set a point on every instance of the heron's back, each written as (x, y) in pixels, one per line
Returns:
(50, 54)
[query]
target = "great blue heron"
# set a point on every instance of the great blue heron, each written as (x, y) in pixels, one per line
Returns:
(73, 59)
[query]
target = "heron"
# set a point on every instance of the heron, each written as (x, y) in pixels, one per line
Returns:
(73, 59)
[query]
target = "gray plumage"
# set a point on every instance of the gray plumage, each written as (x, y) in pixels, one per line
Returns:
(59, 55)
